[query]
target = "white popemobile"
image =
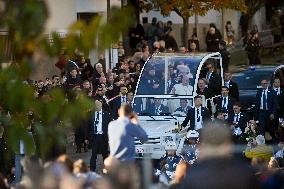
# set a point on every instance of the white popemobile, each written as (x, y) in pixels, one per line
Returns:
(164, 93)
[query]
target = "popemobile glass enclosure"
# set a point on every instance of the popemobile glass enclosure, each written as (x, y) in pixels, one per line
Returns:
(164, 93)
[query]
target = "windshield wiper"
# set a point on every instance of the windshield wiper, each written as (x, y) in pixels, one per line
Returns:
(173, 116)
(165, 114)
(143, 114)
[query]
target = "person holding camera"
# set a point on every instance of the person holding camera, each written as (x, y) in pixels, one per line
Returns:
(250, 132)
(55, 81)
(258, 149)
(122, 132)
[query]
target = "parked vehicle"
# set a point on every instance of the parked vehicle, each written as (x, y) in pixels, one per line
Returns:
(249, 80)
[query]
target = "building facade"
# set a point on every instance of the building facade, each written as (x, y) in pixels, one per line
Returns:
(216, 17)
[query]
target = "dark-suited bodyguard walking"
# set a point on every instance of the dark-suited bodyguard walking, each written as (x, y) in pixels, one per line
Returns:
(122, 133)
(98, 133)
(225, 102)
(233, 86)
(197, 115)
(265, 107)
(213, 79)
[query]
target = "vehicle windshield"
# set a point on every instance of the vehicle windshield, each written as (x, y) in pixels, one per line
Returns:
(164, 75)
(250, 80)
(162, 106)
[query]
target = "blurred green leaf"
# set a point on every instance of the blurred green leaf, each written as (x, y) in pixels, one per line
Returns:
(25, 21)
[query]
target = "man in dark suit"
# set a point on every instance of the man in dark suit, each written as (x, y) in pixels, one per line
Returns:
(197, 115)
(183, 106)
(238, 118)
(279, 95)
(98, 134)
(233, 87)
(157, 108)
(100, 96)
(203, 90)
(213, 79)
(118, 101)
(280, 100)
(225, 103)
(265, 107)
(137, 105)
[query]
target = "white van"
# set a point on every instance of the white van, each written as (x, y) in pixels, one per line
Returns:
(165, 90)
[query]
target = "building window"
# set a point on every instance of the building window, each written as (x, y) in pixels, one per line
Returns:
(86, 16)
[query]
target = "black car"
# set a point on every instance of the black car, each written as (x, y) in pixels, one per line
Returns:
(249, 82)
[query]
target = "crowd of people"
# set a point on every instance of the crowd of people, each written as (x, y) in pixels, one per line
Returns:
(111, 127)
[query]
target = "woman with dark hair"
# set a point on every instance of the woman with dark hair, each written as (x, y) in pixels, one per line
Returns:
(213, 38)
(195, 40)
(253, 48)
(86, 68)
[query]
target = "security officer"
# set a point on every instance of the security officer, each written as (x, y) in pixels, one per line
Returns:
(170, 160)
(190, 151)
(279, 93)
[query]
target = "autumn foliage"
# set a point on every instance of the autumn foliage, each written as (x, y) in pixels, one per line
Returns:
(187, 8)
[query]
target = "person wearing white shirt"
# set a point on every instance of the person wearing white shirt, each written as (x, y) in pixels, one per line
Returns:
(265, 108)
(279, 93)
(276, 86)
(197, 115)
(232, 86)
(183, 88)
(238, 119)
(117, 101)
(225, 103)
(98, 133)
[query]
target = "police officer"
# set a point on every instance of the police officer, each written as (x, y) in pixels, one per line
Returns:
(170, 160)
(190, 151)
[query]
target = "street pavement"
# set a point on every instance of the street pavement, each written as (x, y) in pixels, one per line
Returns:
(71, 152)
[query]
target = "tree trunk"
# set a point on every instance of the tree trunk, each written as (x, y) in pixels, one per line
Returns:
(185, 31)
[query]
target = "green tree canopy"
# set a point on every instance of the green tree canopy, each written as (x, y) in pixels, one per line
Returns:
(24, 21)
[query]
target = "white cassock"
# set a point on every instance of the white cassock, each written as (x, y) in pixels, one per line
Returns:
(180, 89)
